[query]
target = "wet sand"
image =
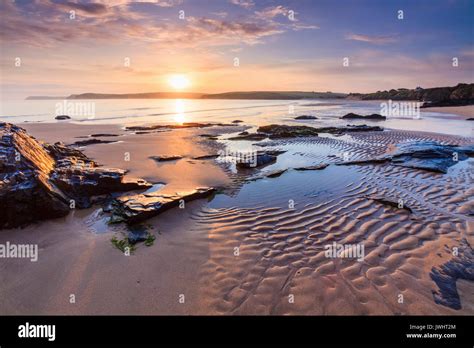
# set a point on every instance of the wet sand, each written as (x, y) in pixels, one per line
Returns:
(462, 112)
(248, 251)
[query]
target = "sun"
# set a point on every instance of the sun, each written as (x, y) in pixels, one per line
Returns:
(179, 81)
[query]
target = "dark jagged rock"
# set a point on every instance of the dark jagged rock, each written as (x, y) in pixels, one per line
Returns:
(92, 141)
(306, 117)
(275, 131)
(390, 202)
(470, 119)
(62, 117)
(166, 158)
(39, 180)
(137, 208)
(426, 155)
(367, 117)
(317, 167)
(446, 276)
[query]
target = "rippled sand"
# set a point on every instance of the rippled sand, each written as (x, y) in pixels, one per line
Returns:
(258, 247)
(282, 249)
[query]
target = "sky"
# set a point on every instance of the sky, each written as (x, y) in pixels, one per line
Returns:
(52, 47)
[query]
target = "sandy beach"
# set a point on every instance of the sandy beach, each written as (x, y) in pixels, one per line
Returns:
(460, 112)
(261, 240)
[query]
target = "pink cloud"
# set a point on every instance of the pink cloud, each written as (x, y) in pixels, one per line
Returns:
(378, 40)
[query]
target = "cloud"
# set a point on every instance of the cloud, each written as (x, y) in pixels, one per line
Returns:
(272, 12)
(247, 4)
(92, 8)
(377, 40)
(120, 24)
(159, 3)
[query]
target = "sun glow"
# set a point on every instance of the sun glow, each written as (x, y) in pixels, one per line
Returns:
(179, 81)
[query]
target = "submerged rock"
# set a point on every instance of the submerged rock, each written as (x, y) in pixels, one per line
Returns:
(39, 181)
(137, 208)
(137, 233)
(367, 117)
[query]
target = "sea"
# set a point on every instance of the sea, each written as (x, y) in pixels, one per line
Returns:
(251, 112)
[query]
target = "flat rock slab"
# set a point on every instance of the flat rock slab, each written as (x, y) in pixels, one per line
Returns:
(249, 136)
(425, 155)
(430, 156)
(137, 208)
(166, 158)
(276, 173)
(317, 167)
(92, 141)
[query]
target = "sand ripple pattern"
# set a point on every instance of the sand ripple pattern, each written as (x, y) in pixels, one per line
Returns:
(268, 257)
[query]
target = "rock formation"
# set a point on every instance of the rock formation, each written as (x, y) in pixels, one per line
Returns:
(40, 181)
